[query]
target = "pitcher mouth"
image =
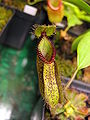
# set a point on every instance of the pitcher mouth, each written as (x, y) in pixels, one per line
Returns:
(54, 8)
(43, 58)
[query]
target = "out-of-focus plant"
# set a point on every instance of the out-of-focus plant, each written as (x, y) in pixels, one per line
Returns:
(81, 4)
(66, 67)
(4, 16)
(70, 8)
(30, 2)
(19, 4)
(74, 15)
(7, 2)
(76, 11)
(63, 102)
(88, 1)
(55, 10)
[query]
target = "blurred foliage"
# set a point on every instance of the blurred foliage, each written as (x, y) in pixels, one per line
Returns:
(86, 76)
(55, 10)
(75, 16)
(5, 15)
(19, 4)
(88, 1)
(32, 2)
(66, 67)
(80, 4)
(69, 12)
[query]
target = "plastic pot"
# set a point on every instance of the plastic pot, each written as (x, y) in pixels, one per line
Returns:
(13, 12)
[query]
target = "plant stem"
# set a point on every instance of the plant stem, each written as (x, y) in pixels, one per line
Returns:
(71, 80)
(66, 29)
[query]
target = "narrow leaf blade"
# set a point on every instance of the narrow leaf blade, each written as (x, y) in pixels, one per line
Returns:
(81, 4)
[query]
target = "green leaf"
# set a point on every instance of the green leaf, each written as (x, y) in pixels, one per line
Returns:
(78, 39)
(75, 11)
(73, 21)
(72, 12)
(83, 53)
(85, 17)
(81, 4)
